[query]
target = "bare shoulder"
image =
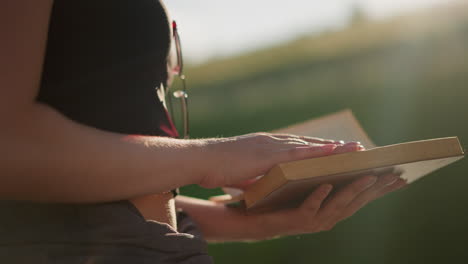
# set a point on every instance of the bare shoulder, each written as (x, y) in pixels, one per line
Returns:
(23, 33)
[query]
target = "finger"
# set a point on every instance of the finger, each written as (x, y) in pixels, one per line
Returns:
(313, 202)
(305, 152)
(348, 147)
(304, 215)
(286, 140)
(342, 199)
(310, 139)
(338, 149)
(295, 141)
(357, 204)
(400, 183)
(369, 195)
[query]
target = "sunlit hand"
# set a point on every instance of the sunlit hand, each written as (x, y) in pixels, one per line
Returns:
(236, 159)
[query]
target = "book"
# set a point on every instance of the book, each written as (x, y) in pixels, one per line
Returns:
(288, 184)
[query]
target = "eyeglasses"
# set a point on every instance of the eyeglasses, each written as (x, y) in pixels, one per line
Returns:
(180, 94)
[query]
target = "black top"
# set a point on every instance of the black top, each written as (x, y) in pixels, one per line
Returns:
(104, 61)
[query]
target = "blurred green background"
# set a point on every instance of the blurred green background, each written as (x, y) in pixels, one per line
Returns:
(405, 79)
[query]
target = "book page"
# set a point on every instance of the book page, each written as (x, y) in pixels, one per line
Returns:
(338, 126)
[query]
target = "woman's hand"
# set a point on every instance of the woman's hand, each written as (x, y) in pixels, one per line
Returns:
(318, 212)
(236, 159)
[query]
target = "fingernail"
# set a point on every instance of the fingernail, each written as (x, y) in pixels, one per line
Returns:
(361, 147)
(341, 142)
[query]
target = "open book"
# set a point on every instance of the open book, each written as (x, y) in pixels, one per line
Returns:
(287, 184)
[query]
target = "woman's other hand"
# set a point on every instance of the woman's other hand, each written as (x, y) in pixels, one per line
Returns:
(319, 213)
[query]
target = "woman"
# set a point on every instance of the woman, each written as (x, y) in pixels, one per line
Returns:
(89, 159)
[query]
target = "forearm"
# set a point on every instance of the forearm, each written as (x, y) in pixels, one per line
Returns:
(47, 157)
(219, 223)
